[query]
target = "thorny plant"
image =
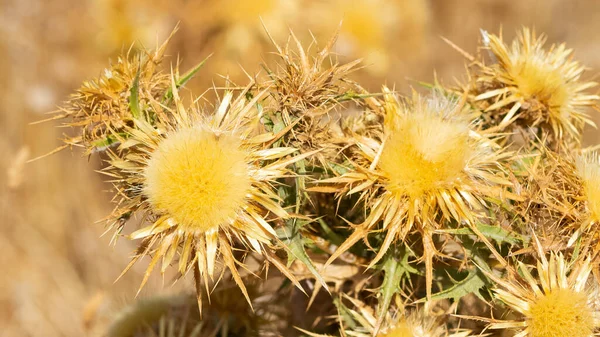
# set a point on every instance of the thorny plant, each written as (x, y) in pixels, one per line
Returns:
(420, 215)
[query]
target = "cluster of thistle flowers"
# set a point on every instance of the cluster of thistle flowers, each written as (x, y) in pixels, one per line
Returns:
(418, 215)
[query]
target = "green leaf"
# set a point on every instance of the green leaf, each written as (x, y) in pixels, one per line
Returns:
(134, 97)
(522, 166)
(470, 284)
(291, 236)
(330, 235)
(351, 96)
(391, 283)
(345, 314)
(301, 194)
(339, 169)
(180, 82)
(395, 267)
(278, 125)
(497, 233)
(267, 122)
(108, 141)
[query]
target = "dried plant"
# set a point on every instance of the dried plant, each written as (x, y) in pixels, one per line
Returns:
(398, 215)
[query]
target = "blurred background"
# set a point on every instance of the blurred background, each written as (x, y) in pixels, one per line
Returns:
(56, 271)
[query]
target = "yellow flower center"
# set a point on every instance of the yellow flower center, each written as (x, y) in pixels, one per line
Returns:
(537, 79)
(400, 330)
(200, 179)
(424, 153)
(561, 313)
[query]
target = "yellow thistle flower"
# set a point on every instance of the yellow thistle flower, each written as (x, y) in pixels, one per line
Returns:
(204, 183)
(396, 323)
(556, 303)
(532, 86)
(426, 166)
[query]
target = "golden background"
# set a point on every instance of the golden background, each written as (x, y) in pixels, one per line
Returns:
(56, 272)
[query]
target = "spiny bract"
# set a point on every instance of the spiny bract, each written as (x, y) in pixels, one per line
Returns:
(531, 86)
(427, 165)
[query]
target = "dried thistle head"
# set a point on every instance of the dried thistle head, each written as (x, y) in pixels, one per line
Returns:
(101, 106)
(529, 86)
(204, 181)
(551, 190)
(305, 92)
(560, 195)
(426, 167)
(556, 302)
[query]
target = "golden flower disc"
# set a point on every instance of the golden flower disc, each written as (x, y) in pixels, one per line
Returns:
(424, 153)
(537, 79)
(198, 178)
(562, 312)
(401, 330)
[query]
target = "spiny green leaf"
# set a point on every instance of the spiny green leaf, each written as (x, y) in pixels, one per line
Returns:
(520, 167)
(107, 141)
(350, 96)
(391, 282)
(267, 122)
(344, 313)
(576, 250)
(278, 125)
(470, 284)
(180, 82)
(477, 252)
(134, 96)
(330, 235)
(301, 195)
(497, 233)
(291, 236)
(339, 169)
(395, 266)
